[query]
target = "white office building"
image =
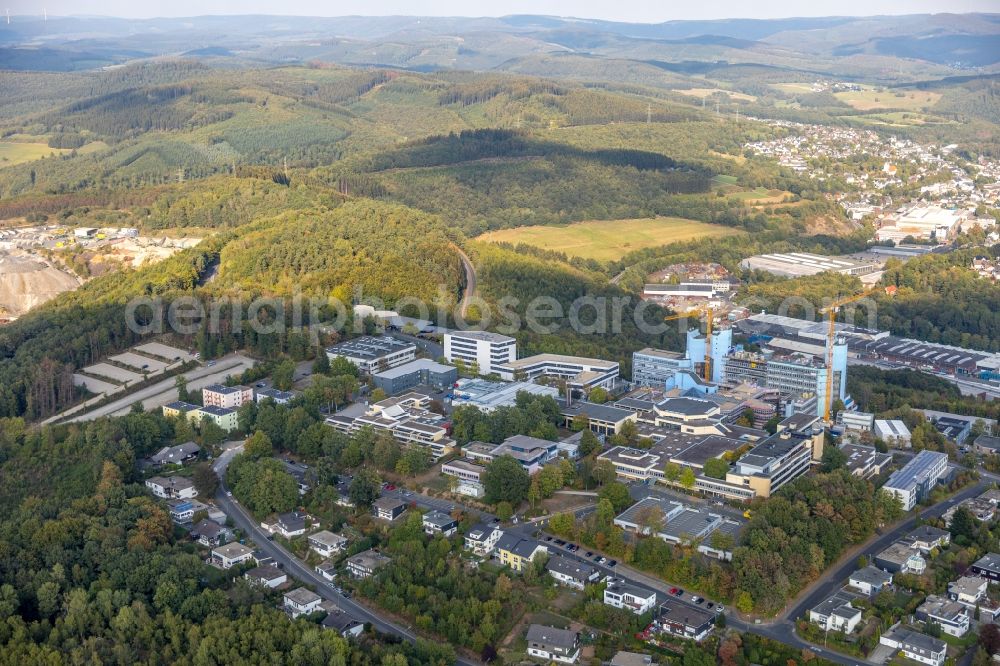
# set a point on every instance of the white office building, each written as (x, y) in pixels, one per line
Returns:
(912, 483)
(480, 349)
(652, 367)
(579, 373)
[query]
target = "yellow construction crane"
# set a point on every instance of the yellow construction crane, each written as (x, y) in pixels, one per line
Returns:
(707, 312)
(831, 314)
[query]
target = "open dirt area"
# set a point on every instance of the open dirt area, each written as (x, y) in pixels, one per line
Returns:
(103, 258)
(26, 282)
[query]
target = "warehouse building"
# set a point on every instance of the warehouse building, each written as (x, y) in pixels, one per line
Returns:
(893, 432)
(799, 264)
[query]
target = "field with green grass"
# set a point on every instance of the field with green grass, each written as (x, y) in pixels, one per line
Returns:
(901, 119)
(793, 88)
(17, 152)
(609, 240)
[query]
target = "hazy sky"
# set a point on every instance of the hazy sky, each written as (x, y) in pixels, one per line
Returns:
(629, 10)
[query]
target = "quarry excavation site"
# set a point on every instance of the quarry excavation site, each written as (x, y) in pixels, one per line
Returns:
(35, 264)
(26, 281)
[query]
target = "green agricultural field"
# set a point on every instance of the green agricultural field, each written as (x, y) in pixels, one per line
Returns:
(724, 179)
(901, 119)
(609, 240)
(16, 152)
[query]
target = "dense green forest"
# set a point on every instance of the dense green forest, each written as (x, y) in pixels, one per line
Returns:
(796, 534)
(385, 251)
(939, 299)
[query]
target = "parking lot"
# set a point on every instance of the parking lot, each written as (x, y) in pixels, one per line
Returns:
(140, 363)
(111, 372)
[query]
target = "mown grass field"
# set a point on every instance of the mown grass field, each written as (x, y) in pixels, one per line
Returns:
(761, 195)
(906, 100)
(608, 240)
(706, 92)
(16, 152)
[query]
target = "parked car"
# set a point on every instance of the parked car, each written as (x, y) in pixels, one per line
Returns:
(678, 593)
(720, 608)
(560, 542)
(673, 590)
(588, 554)
(699, 600)
(547, 538)
(602, 560)
(613, 563)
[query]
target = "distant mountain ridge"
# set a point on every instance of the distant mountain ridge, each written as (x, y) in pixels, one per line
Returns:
(947, 43)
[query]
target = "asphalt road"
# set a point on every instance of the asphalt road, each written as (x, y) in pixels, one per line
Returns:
(164, 392)
(292, 565)
(834, 579)
(783, 630)
(470, 280)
